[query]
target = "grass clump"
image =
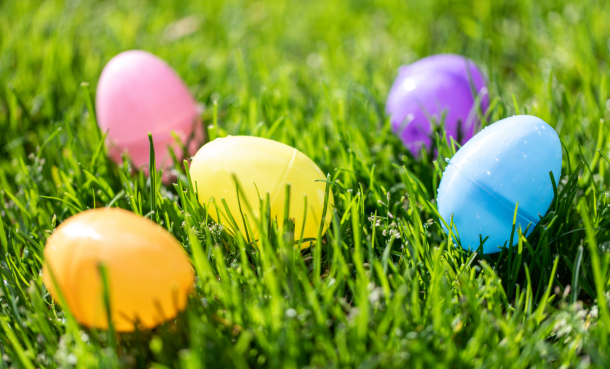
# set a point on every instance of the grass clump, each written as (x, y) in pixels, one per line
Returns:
(385, 287)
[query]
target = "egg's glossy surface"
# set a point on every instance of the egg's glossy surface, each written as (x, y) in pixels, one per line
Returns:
(261, 166)
(139, 93)
(427, 88)
(507, 162)
(149, 273)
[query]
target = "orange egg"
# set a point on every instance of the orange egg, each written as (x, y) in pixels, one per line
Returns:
(149, 274)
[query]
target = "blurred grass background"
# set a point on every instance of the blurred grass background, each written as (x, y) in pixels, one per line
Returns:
(314, 75)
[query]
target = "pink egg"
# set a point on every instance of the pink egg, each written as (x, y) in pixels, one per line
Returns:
(139, 93)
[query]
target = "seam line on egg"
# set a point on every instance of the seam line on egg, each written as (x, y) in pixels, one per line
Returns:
(283, 178)
(492, 195)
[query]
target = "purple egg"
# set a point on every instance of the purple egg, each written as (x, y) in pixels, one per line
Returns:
(426, 89)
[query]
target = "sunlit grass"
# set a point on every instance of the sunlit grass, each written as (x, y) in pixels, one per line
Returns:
(385, 287)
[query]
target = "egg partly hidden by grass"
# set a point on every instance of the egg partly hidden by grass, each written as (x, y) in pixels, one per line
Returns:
(506, 163)
(139, 93)
(148, 273)
(261, 166)
(438, 85)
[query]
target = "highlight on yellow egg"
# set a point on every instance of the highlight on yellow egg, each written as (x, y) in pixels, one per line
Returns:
(261, 166)
(148, 274)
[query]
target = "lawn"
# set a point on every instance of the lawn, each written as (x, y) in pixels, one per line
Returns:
(385, 287)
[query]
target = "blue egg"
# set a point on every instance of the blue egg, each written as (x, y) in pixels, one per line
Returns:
(507, 162)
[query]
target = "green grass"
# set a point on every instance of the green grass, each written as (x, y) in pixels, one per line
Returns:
(386, 287)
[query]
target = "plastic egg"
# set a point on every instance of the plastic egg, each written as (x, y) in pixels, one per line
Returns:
(428, 88)
(149, 274)
(139, 93)
(261, 166)
(506, 163)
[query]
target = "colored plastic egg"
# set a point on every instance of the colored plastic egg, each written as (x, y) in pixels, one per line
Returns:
(506, 163)
(425, 90)
(139, 93)
(261, 166)
(149, 275)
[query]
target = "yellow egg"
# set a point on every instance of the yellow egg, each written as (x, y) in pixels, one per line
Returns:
(149, 274)
(261, 166)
